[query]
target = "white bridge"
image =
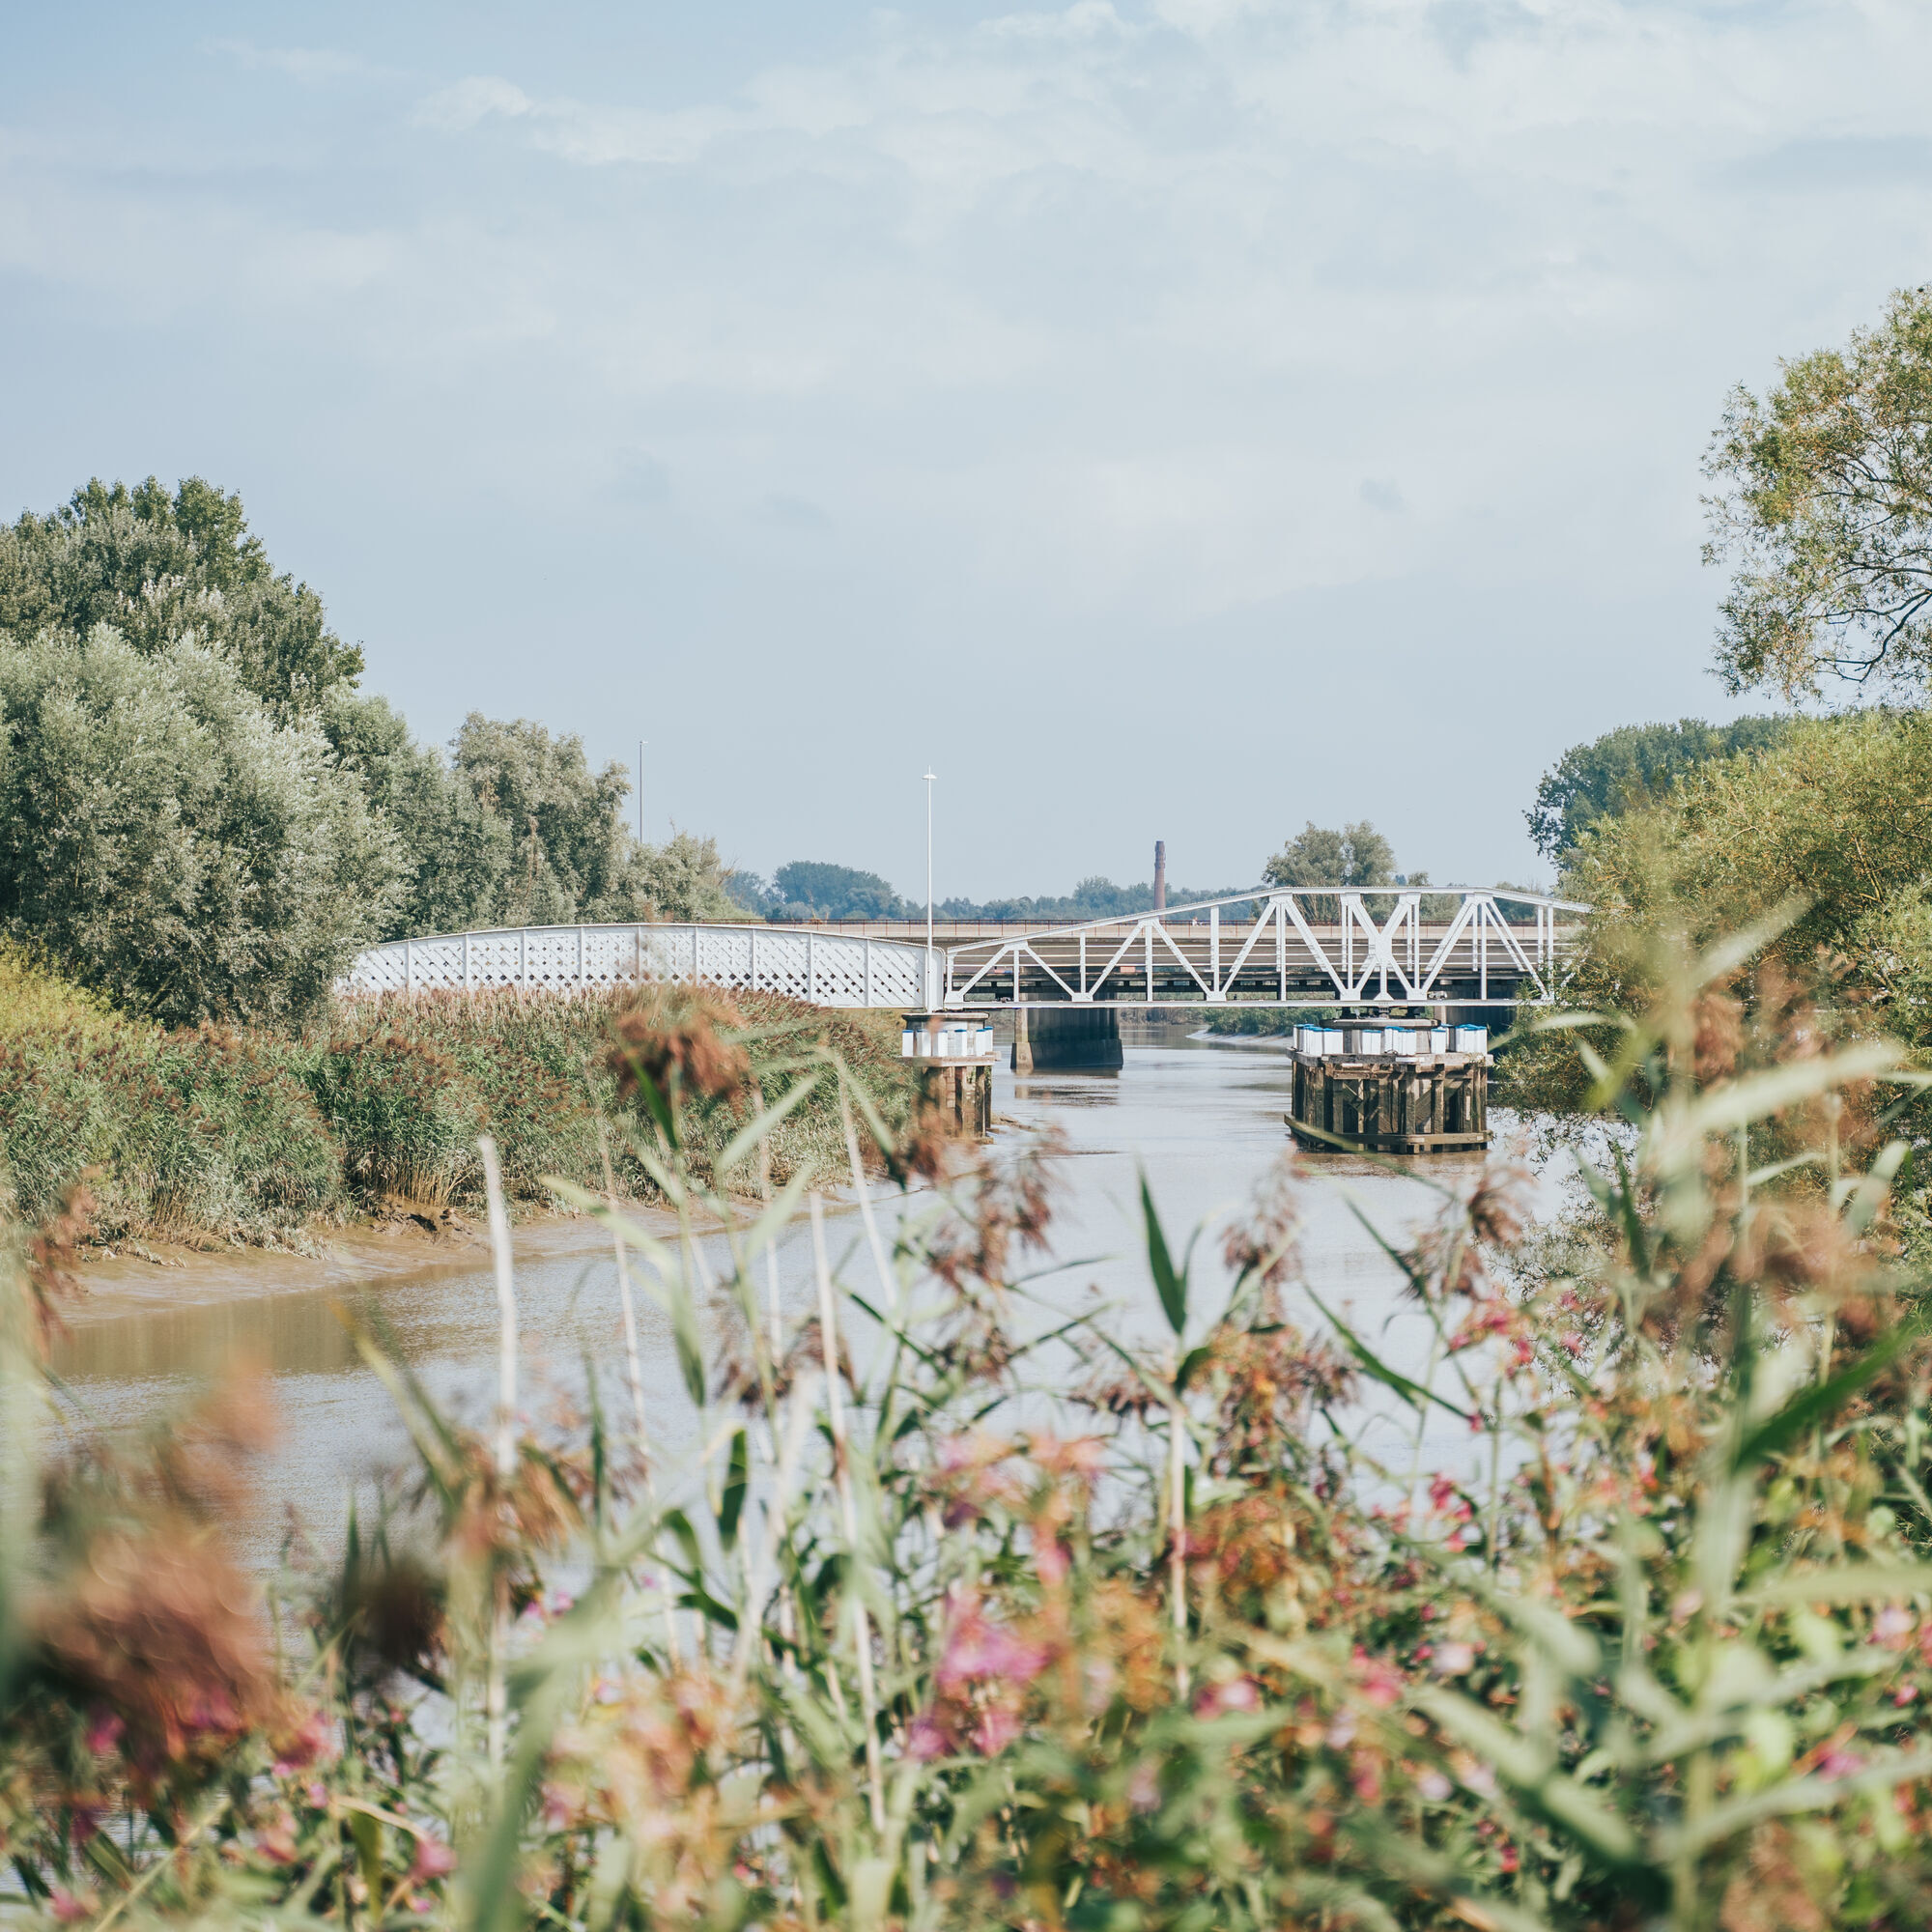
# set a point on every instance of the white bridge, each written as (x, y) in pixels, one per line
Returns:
(1300, 945)
(826, 969)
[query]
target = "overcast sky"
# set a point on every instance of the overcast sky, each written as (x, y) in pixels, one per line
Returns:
(1179, 420)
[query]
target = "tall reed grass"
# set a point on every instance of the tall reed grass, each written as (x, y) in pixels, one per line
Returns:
(964, 1612)
(215, 1133)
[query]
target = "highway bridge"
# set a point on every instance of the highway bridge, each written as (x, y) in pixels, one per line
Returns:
(1276, 946)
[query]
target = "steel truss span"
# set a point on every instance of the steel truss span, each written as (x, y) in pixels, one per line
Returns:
(1307, 946)
(827, 968)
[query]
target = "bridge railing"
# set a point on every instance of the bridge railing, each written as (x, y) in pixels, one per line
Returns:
(1496, 946)
(826, 969)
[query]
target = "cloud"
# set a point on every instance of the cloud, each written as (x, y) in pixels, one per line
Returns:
(1086, 312)
(306, 63)
(786, 512)
(457, 109)
(1837, 163)
(641, 478)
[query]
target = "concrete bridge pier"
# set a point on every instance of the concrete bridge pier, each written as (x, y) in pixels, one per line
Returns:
(1066, 1040)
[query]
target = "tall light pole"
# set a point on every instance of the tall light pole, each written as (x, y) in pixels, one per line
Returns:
(929, 778)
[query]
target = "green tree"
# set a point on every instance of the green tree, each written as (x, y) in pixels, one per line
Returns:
(838, 892)
(682, 879)
(1834, 820)
(568, 849)
(454, 854)
(166, 839)
(1629, 767)
(163, 568)
(1357, 855)
(1824, 510)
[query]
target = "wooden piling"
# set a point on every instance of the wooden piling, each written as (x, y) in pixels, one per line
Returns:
(1392, 1103)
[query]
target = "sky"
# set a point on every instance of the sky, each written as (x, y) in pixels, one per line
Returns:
(1184, 419)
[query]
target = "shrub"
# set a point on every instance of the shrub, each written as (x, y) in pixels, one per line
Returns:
(164, 840)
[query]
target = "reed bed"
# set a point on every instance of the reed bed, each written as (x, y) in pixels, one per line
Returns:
(967, 1613)
(216, 1134)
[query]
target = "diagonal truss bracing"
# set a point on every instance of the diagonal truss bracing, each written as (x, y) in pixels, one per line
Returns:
(1297, 945)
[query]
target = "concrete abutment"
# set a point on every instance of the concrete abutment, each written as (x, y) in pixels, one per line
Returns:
(1083, 1039)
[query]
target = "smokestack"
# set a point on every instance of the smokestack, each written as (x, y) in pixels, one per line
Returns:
(1160, 875)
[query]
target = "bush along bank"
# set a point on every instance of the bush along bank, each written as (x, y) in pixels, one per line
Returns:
(211, 1133)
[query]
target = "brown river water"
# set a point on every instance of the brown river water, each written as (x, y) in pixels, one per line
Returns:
(1205, 1122)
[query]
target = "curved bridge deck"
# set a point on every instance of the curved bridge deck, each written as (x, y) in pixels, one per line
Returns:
(823, 968)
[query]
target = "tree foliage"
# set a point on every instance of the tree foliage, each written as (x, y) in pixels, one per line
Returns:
(1627, 767)
(163, 838)
(1824, 511)
(1356, 855)
(165, 569)
(1823, 835)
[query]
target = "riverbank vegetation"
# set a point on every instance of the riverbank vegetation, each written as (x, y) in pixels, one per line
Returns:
(218, 1133)
(1021, 1622)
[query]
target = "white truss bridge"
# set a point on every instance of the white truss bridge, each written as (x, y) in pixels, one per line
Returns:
(1304, 946)
(1300, 945)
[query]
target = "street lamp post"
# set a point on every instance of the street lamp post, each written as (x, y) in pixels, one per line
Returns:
(931, 990)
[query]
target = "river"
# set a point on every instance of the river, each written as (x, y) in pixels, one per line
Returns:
(1203, 1122)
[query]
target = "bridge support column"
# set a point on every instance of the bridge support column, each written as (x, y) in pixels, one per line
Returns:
(1069, 1039)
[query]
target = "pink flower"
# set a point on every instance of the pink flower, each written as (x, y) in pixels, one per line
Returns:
(1217, 1700)
(1839, 1764)
(1083, 1455)
(1051, 1560)
(71, 1907)
(973, 1451)
(978, 1649)
(433, 1859)
(1906, 1693)
(1367, 1779)
(313, 1742)
(104, 1730)
(1893, 1626)
(995, 1731)
(1433, 1786)
(1143, 1788)
(1441, 1493)
(925, 1740)
(1383, 1684)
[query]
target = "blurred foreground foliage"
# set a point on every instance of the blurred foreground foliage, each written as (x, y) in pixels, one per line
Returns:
(1025, 1618)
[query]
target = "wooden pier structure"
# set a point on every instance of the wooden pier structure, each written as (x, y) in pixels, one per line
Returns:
(1390, 1102)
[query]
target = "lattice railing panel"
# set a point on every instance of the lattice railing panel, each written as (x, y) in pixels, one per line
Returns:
(827, 968)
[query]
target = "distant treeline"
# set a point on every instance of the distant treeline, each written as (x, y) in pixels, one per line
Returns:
(801, 892)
